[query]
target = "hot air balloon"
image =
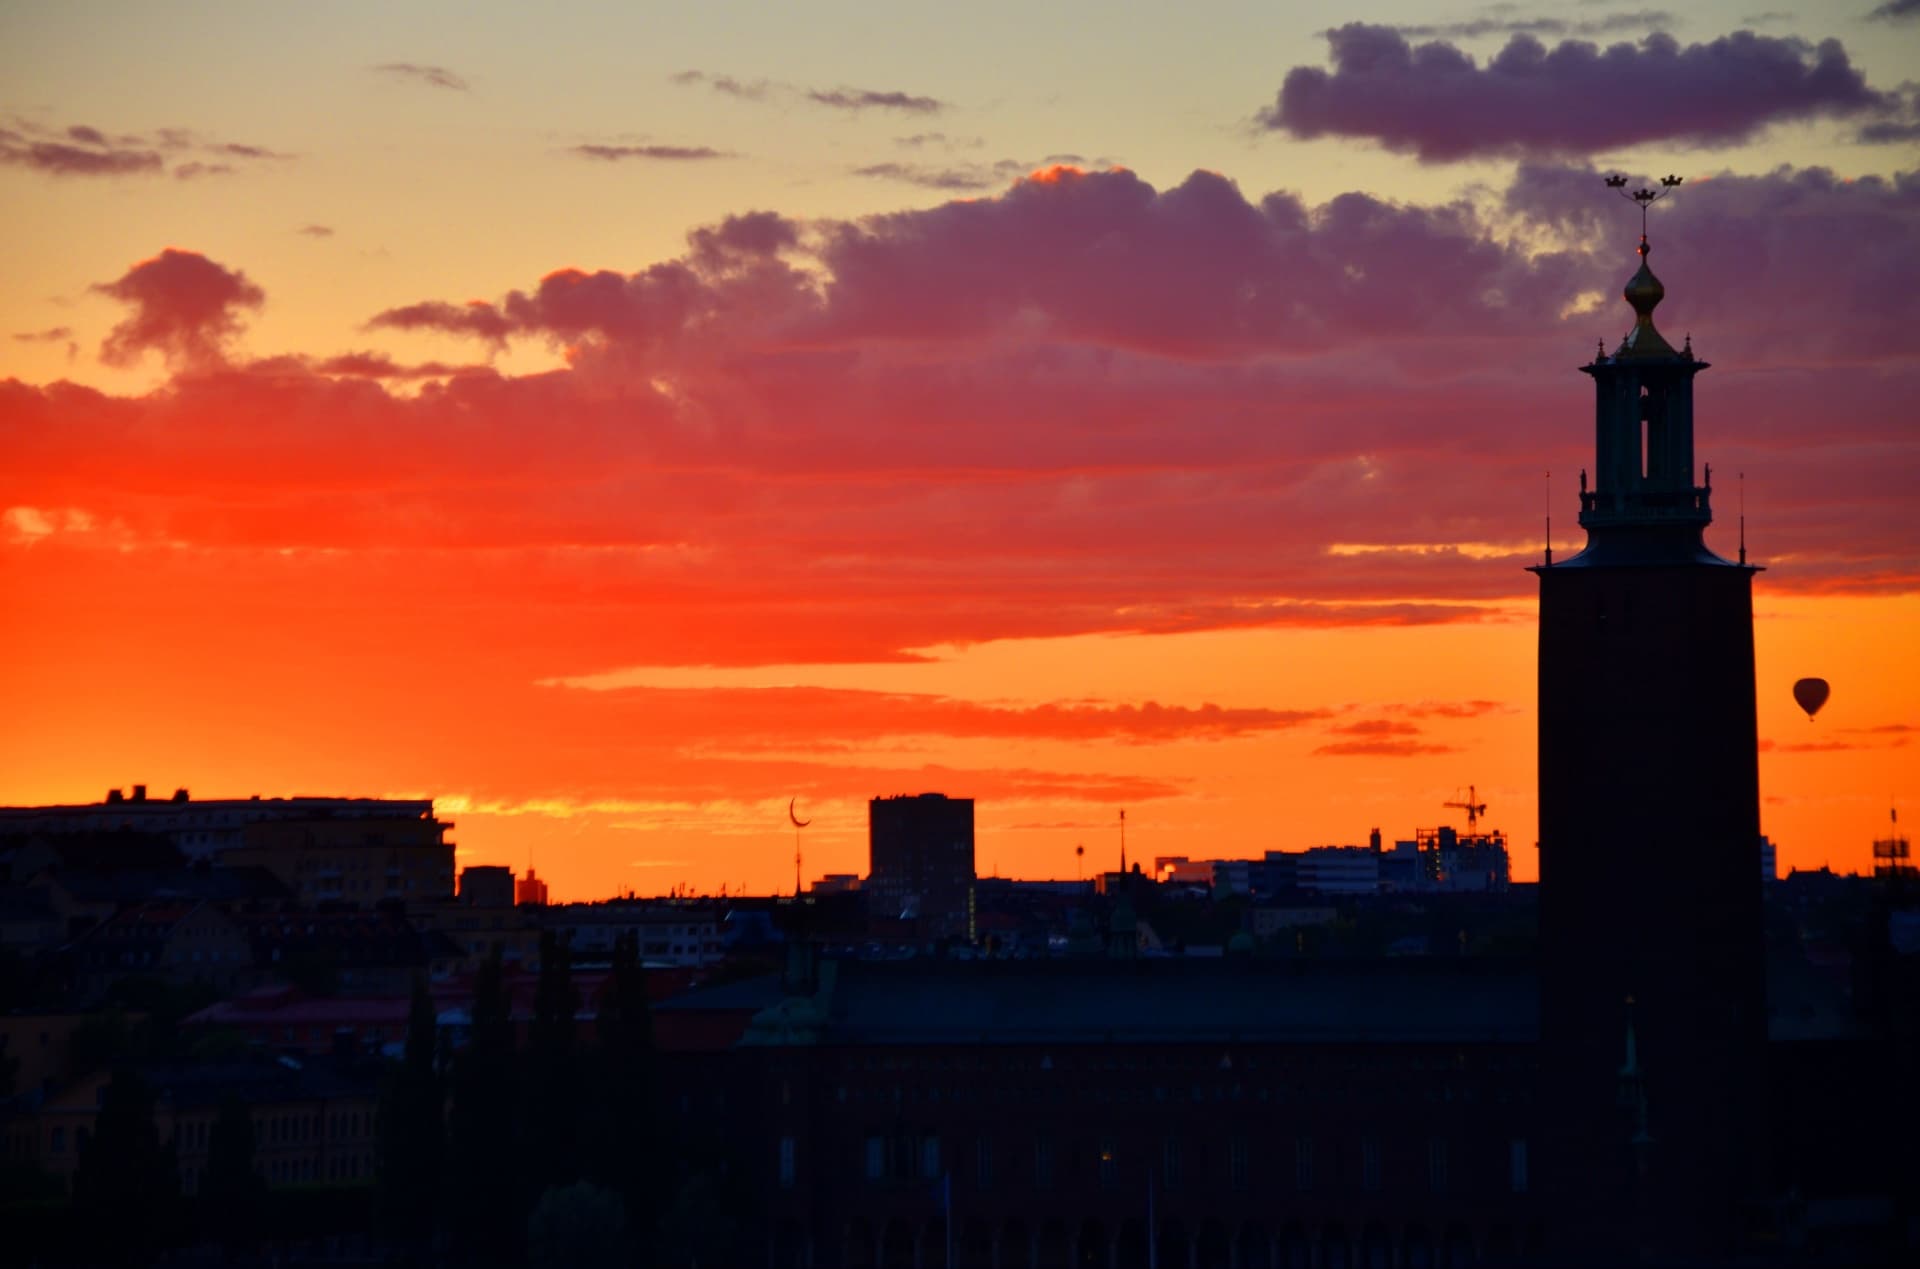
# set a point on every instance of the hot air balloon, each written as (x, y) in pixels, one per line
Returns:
(1811, 694)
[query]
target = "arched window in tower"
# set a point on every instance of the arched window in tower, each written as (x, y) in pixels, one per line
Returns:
(1646, 429)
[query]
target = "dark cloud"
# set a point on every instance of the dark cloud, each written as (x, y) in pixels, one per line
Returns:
(1436, 102)
(185, 307)
(848, 99)
(475, 318)
(51, 335)
(964, 177)
(868, 99)
(373, 365)
(83, 150)
(941, 140)
(1896, 11)
(315, 231)
(1449, 709)
(234, 149)
(1381, 749)
(615, 153)
(1375, 727)
(727, 85)
(1901, 125)
(58, 159)
(1608, 24)
(433, 76)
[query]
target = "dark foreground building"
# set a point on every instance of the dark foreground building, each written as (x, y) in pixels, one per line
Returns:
(1653, 991)
(1217, 1114)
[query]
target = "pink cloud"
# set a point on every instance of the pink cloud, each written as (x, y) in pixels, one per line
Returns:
(184, 306)
(1084, 405)
(1381, 749)
(1434, 101)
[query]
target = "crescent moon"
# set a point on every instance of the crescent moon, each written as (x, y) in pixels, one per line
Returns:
(797, 821)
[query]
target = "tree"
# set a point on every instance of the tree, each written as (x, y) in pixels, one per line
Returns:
(127, 1187)
(230, 1189)
(413, 1134)
(622, 1142)
(553, 1104)
(575, 1226)
(485, 1204)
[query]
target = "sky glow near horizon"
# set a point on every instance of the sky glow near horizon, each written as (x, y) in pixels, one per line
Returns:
(617, 421)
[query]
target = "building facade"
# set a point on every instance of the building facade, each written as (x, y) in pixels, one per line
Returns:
(920, 863)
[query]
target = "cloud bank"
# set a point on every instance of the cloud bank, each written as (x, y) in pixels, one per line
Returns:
(1436, 102)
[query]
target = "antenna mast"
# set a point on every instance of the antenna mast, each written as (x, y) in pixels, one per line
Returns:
(1743, 517)
(1549, 517)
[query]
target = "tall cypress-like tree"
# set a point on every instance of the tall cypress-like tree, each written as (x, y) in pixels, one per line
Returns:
(230, 1189)
(624, 1149)
(487, 1216)
(126, 1191)
(413, 1136)
(553, 1104)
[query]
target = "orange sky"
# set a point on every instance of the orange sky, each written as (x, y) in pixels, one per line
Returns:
(616, 454)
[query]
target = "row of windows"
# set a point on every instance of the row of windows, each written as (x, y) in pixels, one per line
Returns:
(1304, 1093)
(904, 1157)
(1455, 1060)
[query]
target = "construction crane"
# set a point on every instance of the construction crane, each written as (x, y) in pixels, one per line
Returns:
(1473, 809)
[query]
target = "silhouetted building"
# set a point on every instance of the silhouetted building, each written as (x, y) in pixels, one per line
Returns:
(530, 889)
(1126, 1112)
(1652, 974)
(920, 863)
(199, 829)
(486, 886)
(353, 861)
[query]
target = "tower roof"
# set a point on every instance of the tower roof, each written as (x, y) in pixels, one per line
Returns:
(1644, 293)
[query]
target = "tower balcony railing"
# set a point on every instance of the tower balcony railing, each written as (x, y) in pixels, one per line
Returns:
(1644, 505)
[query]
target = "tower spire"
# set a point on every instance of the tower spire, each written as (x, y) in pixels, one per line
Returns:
(1644, 504)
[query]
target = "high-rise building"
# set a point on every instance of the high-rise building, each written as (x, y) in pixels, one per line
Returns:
(530, 889)
(920, 863)
(1653, 1022)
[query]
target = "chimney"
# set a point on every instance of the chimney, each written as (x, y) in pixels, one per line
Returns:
(180, 795)
(139, 792)
(114, 796)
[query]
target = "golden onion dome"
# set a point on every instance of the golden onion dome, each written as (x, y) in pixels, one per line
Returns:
(1644, 292)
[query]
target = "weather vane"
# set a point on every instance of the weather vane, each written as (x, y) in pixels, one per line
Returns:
(1643, 196)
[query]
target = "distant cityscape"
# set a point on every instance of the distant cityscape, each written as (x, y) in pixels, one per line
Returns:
(274, 952)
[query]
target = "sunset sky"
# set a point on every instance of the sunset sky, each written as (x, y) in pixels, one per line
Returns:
(613, 420)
